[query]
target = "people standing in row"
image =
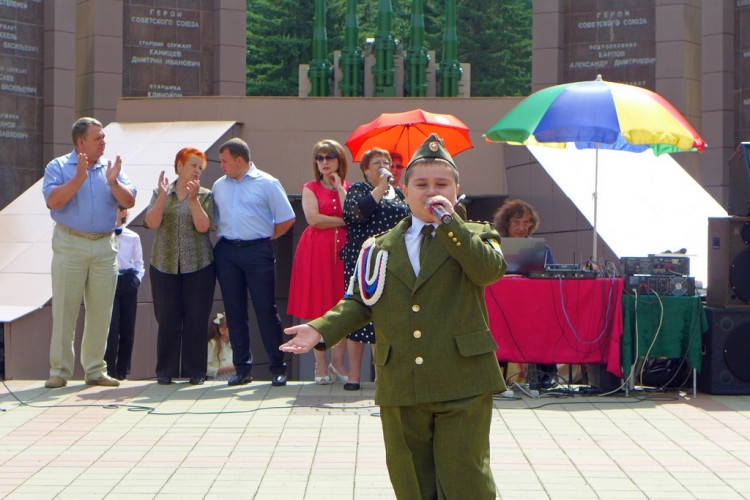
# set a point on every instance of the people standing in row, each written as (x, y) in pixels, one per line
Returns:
(317, 282)
(182, 269)
(122, 326)
(423, 288)
(371, 207)
(517, 219)
(252, 209)
(82, 191)
(220, 364)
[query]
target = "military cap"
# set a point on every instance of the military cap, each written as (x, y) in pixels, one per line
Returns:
(432, 147)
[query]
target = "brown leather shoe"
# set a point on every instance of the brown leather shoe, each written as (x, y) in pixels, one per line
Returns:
(104, 380)
(55, 382)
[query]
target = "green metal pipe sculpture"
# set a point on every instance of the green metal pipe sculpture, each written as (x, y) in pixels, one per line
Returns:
(320, 71)
(351, 60)
(417, 59)
(449, 72)
(385, 49)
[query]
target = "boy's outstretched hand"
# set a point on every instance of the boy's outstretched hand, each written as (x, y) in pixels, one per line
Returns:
(306, 338)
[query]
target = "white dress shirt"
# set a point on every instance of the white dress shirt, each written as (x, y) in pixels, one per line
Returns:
(130, 254)
(413, 240)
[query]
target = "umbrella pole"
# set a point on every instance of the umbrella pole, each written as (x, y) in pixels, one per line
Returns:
(596, 201)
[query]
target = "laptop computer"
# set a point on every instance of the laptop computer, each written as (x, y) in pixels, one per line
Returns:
(524, 255)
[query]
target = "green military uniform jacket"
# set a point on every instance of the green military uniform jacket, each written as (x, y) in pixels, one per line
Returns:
(433, 341)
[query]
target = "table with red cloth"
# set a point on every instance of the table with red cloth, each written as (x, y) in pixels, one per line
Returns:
(577, 321)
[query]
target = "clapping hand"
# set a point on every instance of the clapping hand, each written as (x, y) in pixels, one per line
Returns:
(193, 187)
(113, 171)
(163, 185)
(83, 166)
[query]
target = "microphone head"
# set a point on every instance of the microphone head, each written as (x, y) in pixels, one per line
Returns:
(385, 171)
(441, 214)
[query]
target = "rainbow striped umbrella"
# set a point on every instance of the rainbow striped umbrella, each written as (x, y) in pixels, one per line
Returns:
(597, 115)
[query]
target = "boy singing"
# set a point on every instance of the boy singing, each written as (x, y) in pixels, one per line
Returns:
(422, 286)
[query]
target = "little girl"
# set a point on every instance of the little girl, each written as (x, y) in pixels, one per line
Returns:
(220, 366)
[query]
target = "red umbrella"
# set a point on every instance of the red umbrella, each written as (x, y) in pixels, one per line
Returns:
(405, 132)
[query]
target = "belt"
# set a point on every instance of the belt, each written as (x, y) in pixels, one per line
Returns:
(246, 243)
(88, 236)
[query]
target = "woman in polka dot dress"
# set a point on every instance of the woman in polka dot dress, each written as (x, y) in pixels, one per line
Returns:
(371, 207)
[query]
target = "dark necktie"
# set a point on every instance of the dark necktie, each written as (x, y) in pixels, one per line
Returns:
(118, 231)
(426, 231)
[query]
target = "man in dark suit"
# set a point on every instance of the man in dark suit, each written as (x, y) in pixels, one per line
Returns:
(422, 286)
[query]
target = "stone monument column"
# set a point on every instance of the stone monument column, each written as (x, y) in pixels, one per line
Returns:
(547, 44)
(678, 66)
(21, 96)
(230, 47)
(98, 56)
(59, 78)
(718, 96)
(62, 59)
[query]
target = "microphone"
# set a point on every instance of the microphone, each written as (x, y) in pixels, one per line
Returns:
(440, 212)
(388, 173)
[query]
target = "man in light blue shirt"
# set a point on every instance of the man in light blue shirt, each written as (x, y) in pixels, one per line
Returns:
(251, 208)
(82, 192)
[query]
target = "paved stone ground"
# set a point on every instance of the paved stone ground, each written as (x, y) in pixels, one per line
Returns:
(304, 441)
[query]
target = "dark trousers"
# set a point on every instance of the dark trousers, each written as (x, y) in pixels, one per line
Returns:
(182, 304)
(243, 269)
(122, 325)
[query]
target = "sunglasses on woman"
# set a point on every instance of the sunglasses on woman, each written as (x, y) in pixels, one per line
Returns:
(329, 157)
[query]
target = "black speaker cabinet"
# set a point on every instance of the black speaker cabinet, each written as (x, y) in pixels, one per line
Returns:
(728, 262)
(739, 181)
(726, 352)
(599, 377)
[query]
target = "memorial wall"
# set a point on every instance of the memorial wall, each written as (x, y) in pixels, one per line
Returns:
(21, 96)
(167, 51)
(612, 38)
(742, 70)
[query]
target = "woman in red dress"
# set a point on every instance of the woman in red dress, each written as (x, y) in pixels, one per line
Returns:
(317, 282)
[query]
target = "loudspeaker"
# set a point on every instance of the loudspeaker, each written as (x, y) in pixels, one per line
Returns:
(739, 181)
(728, 262)
(725, 366)
(599, 377)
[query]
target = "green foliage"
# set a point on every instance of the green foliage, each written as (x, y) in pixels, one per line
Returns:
(500, 49)
(494, 36)
(279, 39)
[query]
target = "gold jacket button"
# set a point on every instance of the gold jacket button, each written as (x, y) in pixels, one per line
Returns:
(458, 243)
(415, 308)
(455, 240)
(450, 234)
(417, 334)
(419, 360)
